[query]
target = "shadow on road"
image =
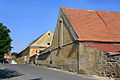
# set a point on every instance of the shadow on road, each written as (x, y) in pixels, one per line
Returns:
(37, 79)
(7, 73)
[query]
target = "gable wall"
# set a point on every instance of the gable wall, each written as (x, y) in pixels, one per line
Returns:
(43, 40)
(67, 36)
(66, 55)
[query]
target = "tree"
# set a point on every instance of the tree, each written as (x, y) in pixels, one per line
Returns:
(14, 53)
(5, 41)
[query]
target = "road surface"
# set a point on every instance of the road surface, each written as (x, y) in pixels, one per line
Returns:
(27, 72)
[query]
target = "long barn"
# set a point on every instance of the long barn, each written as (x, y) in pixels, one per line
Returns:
(87, 41)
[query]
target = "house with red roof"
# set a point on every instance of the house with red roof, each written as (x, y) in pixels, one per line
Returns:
(87, 41)
(8, 55)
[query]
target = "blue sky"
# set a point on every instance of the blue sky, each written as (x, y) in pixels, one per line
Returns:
(28, 19)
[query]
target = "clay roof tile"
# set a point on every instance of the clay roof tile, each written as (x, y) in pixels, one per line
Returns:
(94, 25)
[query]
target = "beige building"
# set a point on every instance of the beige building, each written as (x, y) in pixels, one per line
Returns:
(86, 42)
(41, 43)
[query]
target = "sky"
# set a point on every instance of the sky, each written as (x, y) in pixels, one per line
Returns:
(29, 19)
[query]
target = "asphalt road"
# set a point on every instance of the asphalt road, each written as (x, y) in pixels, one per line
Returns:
(27, 72)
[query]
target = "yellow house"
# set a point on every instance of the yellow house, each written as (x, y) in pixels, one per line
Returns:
(41, 43)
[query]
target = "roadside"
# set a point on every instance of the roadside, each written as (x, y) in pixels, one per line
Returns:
(94, 77)
(18, 70)
(27, 72)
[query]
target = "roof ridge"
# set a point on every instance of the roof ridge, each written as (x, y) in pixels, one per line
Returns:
(89, 9)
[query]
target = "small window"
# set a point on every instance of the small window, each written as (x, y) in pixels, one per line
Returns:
(50, 61)
(48, 43)
(48, 33)
(60, 20)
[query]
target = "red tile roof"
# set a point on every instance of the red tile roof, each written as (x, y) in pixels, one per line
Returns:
(104, 47)
(94, 25)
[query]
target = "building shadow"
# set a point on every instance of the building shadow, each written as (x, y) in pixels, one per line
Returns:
(37, 79)
(7, 73)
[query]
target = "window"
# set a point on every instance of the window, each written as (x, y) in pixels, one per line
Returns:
(48, 43)
(48, 33)
(60, 20)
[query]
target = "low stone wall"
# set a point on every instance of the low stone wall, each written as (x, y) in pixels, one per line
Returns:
(32, 60)
(68, 64)
(110, 67)
(21, 60)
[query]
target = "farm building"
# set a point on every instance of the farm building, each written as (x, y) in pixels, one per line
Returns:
(86, 41)
(41, 43)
